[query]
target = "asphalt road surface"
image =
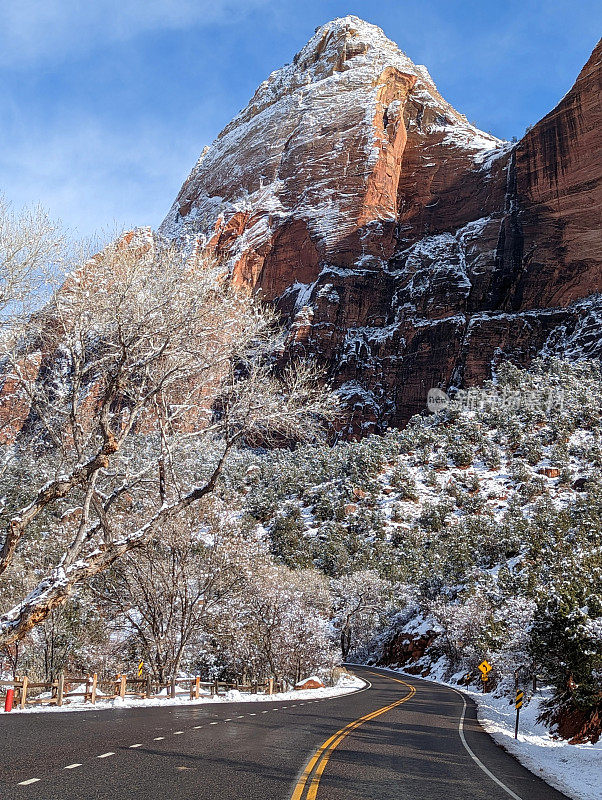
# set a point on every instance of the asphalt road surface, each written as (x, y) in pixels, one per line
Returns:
(398, 739)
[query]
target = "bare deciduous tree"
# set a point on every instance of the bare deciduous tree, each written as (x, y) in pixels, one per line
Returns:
(162, 593)
(127, 392)
(277, 626)
(361, 600)
(31, 247)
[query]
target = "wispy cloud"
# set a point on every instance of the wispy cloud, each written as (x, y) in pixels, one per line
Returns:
(93, 177)
(34, 30)
(103, 110)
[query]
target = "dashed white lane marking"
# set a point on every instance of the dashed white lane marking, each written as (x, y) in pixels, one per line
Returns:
(254, 714)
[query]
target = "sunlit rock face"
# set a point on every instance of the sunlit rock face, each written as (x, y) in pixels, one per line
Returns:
(405, 247)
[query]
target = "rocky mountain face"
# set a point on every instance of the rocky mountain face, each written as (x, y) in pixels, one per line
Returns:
(405, 247)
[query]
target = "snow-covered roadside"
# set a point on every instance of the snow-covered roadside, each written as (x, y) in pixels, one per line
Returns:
(575, 769)
(345, 685)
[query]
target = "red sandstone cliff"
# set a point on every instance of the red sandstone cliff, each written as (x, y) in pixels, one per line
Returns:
(406, 248)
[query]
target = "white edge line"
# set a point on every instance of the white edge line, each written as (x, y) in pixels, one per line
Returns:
(475, 758)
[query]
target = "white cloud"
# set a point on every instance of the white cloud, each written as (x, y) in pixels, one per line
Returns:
(34, 30)
(95, 178)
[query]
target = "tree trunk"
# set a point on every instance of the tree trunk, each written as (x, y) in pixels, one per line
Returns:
(345, 642)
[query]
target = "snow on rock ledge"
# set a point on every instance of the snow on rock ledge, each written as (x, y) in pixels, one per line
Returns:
(313, 159)
(351, 194)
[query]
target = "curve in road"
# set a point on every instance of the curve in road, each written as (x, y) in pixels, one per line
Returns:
(395, 740)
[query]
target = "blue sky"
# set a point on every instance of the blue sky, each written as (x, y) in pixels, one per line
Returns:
(105, 105)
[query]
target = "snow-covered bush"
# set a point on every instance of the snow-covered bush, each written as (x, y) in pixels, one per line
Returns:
(482, 540)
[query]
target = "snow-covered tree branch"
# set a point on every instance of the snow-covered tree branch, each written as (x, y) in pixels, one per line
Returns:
(126, 393)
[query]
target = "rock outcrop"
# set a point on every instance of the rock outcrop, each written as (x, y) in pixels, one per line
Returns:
(407, 650)
(405, 247)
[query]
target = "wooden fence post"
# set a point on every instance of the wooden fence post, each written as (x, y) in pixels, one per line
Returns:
(271, 686)
(24, 681)
(197, 687)
(149, 686)
(173, 686)
(216, 687)
(123, 686)
(94, 686)
(60, 689)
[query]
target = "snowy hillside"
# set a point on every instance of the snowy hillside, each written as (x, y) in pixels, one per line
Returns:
(486, 518)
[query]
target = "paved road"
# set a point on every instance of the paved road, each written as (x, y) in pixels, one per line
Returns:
(396, 739)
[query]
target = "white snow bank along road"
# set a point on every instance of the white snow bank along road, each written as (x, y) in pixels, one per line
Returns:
(346, 685)
(574, 769)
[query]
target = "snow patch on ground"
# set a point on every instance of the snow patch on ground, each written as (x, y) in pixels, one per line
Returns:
(574, 769)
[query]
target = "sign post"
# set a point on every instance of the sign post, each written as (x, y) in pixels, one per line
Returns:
(518, 704)
(485, 668)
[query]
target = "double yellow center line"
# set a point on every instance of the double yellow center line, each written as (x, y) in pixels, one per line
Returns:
(308, 783)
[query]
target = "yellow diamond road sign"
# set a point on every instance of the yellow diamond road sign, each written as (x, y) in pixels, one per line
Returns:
(485, 667)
